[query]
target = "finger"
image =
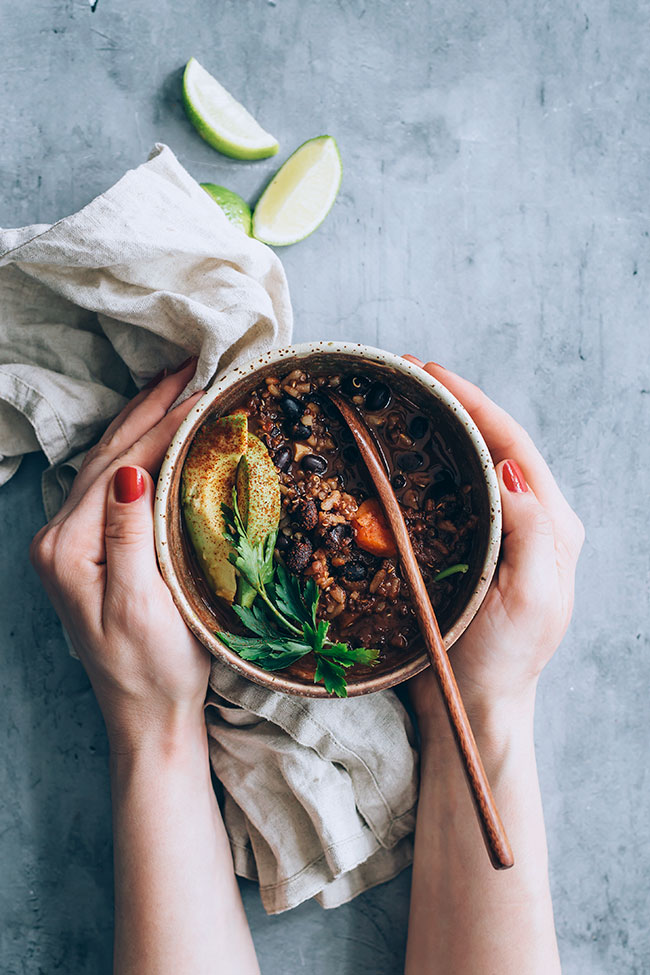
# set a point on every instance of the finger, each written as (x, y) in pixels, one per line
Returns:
(503, 435)
(506, 438)
(528, 556)
(131, 569)
(138, 416)
(85, 523)
(74, 583)
(414, 359)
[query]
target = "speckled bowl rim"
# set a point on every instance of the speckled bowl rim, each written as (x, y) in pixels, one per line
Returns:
(277, 680)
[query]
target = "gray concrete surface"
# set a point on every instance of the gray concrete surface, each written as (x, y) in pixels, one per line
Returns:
(493, 216)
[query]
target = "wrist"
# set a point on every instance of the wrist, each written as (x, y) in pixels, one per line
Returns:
(176, 731)
(160, 763)
(497, 722)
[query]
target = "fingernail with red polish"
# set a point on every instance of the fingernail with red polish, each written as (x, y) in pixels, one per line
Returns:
(513, 477)
(128, 485)
(436, 364)
(156, 379)
(183, 365)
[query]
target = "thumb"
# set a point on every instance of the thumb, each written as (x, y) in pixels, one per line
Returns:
(128, 533)
(528, 548)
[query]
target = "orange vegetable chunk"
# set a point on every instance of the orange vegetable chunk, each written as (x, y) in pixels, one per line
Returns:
(371, 530)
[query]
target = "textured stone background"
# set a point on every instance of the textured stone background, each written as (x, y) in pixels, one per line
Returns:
(493, 216)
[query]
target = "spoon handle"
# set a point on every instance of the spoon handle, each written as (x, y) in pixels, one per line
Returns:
(492, 828)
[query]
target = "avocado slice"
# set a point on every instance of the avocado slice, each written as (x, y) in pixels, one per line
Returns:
(258, 490)
(208, 480)
(258, 500)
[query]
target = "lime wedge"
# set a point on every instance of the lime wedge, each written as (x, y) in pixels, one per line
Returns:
(221, 120)
(300, 195)
(236, 209)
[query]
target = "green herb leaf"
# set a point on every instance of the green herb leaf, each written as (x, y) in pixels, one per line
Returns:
(288, 597)
(236, 642)
(347, 656)
(277, 662)
(270, 655)
(254, 562)
(332, 675)
(460, 567)
(315, 635)
(268, 552)
(310, 596)
(256, 620)
(284, 617)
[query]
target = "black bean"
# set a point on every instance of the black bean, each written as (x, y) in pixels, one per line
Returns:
(301, 432)
(418, 427)
(314, 464)
(282, 458)
(355, 572)
(282, 543)
(355, 385)
(291, 408)
(398, 481)
(377, 397)
(336, 537)
(443, 483)
(411, 461)
(350, 454)
(299, 555)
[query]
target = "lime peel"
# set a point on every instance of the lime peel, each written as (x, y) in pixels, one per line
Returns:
(220, 119)
(236, 209)
(300, 195)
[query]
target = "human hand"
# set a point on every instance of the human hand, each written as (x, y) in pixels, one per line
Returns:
(97, 562)
(524, 616)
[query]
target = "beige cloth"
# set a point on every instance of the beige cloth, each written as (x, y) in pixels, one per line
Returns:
(319, 795)
(145, 274)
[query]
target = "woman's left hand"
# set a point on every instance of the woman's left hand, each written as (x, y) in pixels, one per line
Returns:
(498, 660)
(97, 561)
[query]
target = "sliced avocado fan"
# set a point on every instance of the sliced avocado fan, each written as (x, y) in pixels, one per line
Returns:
(222, 455)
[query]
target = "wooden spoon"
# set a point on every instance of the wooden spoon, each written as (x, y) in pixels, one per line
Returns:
(494, 834)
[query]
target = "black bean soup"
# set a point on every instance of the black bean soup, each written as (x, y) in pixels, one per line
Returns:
(324, 483)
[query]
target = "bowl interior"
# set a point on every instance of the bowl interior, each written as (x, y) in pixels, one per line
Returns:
(206, 615)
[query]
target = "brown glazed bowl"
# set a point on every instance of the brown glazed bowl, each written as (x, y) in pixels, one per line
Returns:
(202, 612)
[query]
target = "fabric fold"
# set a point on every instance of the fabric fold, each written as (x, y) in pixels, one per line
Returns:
(96, 304)
(350, 800)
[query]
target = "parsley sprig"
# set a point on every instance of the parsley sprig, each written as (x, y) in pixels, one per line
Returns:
(283, 614)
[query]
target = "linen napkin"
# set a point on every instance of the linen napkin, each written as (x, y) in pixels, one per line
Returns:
(319, 796)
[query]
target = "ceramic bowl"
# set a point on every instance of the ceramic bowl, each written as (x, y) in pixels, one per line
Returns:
(203, 613)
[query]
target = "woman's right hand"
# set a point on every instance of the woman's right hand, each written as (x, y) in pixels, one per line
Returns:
(528, 607)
